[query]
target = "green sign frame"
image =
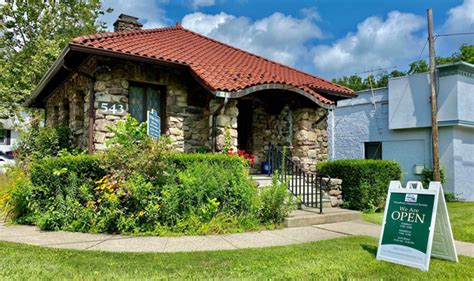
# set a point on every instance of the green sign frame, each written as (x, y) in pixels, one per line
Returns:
(414, 218)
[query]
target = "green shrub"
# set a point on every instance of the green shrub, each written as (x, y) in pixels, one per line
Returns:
(452, 197)
(132, 150)
(15, 198)
(129, 133)
(206, 185)
(39, 142)
(364, 182)
(277, 202)
(64, 175)
(139, 186)
(427, 176)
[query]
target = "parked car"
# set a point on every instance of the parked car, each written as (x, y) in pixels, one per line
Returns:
(5, 159)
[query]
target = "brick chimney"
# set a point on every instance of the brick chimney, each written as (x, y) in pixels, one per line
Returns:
(126, 22)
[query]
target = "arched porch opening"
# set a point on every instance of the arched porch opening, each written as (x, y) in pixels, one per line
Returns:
(286, 117)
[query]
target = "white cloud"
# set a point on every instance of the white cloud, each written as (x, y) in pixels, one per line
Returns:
(278, 37)
(149, 12)
(461, 18)
(376, 43)
(202, 3)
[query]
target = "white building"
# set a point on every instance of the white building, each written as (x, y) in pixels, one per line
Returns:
(394, 123)
(8, 140)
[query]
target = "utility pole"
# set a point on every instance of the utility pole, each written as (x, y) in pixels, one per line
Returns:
(434, 103)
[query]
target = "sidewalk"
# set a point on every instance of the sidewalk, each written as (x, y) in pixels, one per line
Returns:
(118, 243)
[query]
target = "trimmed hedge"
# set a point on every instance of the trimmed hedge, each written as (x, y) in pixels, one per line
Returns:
(364, 182)
(183, 160)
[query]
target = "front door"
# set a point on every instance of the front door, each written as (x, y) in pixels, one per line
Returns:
(244, 124)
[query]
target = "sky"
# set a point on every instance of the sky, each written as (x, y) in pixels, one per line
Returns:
(323, 37)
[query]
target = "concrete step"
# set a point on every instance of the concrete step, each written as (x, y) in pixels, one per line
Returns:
(311, 216)
(262, 180)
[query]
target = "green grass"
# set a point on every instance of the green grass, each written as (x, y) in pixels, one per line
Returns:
(460, 215)
(343, 258)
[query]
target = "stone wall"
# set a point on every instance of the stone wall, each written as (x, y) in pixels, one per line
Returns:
(186, 107)
(333, 190)
(68, 105)
(187, 103)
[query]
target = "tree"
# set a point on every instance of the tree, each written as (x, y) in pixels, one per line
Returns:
(467, 53)
(418, 66)
(357, 83)
(32, 34)
(354, 82)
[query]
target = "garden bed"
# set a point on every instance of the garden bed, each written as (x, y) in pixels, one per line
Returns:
(138, 186)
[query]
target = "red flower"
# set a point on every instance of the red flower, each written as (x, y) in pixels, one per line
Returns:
(241, 152)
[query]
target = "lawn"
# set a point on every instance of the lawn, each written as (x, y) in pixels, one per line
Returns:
(343, 258)
(460, 215)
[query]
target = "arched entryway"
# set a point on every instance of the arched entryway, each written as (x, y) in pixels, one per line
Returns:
(285, 118)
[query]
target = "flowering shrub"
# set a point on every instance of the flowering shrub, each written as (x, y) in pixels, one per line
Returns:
(139, 186)
(250, 157)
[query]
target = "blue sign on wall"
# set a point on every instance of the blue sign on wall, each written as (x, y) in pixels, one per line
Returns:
(153, 124)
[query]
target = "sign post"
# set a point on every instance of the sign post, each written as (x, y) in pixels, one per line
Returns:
(416, 226)
(153, 126)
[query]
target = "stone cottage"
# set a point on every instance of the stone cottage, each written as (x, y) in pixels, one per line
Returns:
(201, 88)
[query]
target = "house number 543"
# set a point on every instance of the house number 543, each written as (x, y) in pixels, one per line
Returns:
(112, 108)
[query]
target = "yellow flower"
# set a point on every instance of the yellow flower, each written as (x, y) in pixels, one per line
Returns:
(90, 204)
(141, 213)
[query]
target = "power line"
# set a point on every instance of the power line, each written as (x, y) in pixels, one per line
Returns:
(374, 70)
(454, 34)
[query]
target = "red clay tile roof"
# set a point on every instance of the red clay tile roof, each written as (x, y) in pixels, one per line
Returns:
(219, 66)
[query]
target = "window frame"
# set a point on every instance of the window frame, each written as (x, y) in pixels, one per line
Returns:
(163, 94)
(378, 151)
(6, 139)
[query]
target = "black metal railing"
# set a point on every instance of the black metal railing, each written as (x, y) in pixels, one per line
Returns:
(306, 186)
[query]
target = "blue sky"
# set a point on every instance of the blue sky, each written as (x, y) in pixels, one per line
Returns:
(326, 38)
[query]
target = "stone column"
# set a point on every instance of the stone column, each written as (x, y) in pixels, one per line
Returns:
(176, 104)
(226, 123)
(310, 139)
(108, 89)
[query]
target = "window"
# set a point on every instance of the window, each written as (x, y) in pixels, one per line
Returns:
(5, 137)
(145, 97)
(373, 150)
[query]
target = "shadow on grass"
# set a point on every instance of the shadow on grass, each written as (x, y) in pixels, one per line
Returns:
(370, 248)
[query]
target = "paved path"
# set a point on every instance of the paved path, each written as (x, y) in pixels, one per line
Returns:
(118, 243)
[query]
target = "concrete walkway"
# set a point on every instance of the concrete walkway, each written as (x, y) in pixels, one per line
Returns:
(118, 243)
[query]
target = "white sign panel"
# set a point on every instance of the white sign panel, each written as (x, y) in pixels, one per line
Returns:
(416, 226)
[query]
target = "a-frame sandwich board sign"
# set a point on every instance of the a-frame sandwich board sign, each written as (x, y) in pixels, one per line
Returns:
(416, 226)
